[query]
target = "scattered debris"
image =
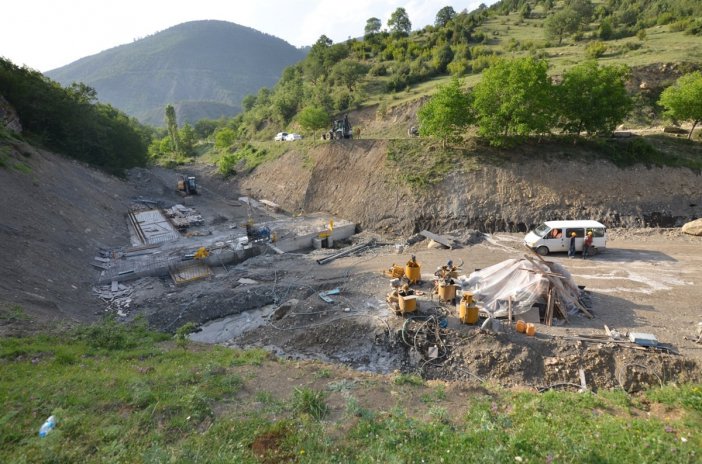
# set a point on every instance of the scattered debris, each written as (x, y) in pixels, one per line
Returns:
(643, 339)
(183, 217)
(448, 242)
(325, 295)
(347, 251)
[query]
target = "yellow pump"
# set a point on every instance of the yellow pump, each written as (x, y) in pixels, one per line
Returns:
(467, 311)
(413, 271)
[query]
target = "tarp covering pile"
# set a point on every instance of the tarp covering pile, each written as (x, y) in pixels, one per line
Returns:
(520, 283)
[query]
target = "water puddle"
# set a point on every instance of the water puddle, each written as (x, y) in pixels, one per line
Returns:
(227, 328)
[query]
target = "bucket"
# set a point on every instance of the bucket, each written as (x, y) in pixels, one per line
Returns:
(447, 292)
(408, 304)
(413, 273)
(530, 329)
(467, 314)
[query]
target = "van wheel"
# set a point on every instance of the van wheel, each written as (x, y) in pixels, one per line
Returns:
(592, 251)
(542, 250)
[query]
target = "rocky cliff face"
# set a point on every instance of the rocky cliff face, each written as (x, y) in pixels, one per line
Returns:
(353, 180)
(9, 119)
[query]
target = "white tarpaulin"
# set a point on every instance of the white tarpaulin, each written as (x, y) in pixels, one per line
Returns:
(521, 281)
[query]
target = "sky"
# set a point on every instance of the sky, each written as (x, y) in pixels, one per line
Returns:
(47, 34)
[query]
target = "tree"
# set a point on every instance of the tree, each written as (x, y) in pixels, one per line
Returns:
(348, 73)
(313, 118)
(584, 9)
(187, 138)
(683, 99)
(248, 102)
(447, 113)
(561, 24)
(593, 98)
(224, 138)
(399, 22)
(172, 126)
(444, 15)
(513, 98)
(442, 57)
(373, 26)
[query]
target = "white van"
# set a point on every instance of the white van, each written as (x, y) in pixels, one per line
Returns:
(553, 236)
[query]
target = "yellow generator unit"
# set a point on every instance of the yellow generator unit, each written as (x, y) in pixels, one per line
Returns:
(467, 311)
(413, 271)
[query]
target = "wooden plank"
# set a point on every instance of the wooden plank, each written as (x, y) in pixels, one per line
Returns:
(548, 317)
(437, 238)
(509, 310)
(276, 249)
(583, 383)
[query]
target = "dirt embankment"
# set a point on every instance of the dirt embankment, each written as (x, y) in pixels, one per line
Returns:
(55, 214)
(353, 179)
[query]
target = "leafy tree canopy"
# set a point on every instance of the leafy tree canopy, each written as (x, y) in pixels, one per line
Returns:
(313, 118)
(683, 100)
(68, 121)
(593, 98)
(447, 113)
(561, 24)
(373, 26)
(399, 22)
(513, 98)
(444, 15)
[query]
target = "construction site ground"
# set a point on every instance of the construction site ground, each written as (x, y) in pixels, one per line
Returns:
(648, 280)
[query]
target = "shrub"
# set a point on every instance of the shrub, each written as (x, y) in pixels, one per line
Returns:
(308, 401)
(181, 335)
(679, 26)
(378, 69)
(595, 49)
(112, 335)
(227, 163)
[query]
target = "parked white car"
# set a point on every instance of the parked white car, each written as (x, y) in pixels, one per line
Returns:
(293, 137)
(280, 136)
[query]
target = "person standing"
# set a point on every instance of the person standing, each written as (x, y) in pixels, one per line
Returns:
(571, 247)
(587, 243)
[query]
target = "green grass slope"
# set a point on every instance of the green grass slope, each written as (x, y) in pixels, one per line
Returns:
(123, 394)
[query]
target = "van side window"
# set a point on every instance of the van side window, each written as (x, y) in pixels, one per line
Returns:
(555, 233)
(597, 232)
(580, 233)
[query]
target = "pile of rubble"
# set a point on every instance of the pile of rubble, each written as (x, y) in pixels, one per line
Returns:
(183, 217)
(116, 296)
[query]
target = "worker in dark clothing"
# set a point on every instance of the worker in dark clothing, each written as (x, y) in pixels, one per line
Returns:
(571, 247)
(587, 243)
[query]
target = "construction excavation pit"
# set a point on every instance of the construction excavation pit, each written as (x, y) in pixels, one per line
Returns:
(463, 306)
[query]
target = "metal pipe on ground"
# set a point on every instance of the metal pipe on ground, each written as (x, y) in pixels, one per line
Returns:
(345, 252)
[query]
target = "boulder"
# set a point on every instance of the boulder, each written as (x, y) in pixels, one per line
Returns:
(693, 227)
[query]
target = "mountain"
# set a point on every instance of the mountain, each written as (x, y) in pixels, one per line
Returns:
(203, 68)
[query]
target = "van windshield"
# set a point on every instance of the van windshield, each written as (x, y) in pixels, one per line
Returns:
(542, 230)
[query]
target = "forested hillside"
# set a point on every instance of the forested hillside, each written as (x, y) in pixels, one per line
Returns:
(203, 68)
(394, 63)
(70, 121)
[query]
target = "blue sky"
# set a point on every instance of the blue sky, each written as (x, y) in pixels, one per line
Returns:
(47, 34)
